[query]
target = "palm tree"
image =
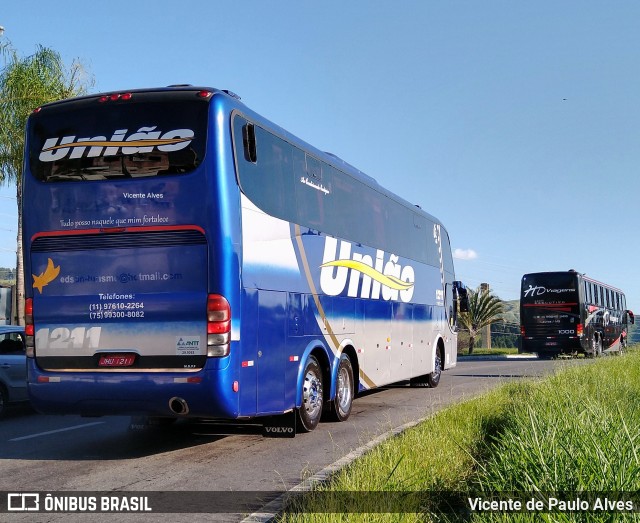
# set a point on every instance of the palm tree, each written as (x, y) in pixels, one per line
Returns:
(27, 83)
(484, 309)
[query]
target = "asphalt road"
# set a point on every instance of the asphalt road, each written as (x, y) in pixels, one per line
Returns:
(50, 454)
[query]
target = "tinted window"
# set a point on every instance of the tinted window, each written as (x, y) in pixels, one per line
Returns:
(446, 252)
(549, 287)
(295, 186)
(11, 343)
(271, 175)
(144, 136)
(600, 296)
(549, 302)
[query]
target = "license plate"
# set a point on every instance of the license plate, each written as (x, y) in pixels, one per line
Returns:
(551, 343)
(116, 360)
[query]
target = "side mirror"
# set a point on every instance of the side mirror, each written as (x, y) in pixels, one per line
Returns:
(460, 296)
(631, 317)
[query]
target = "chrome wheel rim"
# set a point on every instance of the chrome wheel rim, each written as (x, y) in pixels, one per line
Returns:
(312, 394)
(343, 390)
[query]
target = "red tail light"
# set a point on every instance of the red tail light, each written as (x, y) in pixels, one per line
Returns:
(115, 97)
(521, 330)
(29, 329)
(579, 329)
(218, 325)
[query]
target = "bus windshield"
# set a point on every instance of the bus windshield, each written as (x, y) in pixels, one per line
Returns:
(136, 137)
(550, 300)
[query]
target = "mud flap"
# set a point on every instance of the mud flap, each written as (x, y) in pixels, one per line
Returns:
(282, 426)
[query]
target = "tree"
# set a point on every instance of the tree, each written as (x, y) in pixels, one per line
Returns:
(25, 84)
(484, 309)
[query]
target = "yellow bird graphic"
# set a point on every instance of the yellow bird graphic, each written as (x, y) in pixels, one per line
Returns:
(46, 277)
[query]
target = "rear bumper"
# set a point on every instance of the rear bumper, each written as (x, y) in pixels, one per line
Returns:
(551, 345)
(207, 393)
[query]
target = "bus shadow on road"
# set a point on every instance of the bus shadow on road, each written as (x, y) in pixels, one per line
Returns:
(46, 438)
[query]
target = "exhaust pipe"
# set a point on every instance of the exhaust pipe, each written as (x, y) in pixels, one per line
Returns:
(179, 406)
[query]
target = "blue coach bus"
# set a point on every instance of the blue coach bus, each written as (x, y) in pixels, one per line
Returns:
(188, 258)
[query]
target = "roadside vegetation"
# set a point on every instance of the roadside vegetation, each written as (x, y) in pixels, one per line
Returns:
(485, 308)
(499, 351)
(577, 431)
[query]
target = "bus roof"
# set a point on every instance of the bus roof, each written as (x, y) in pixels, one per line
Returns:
(573, 271)
(232, 101)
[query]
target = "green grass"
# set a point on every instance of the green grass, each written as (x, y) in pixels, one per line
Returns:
(577, 431)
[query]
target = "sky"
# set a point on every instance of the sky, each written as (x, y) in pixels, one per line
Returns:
(514, 123)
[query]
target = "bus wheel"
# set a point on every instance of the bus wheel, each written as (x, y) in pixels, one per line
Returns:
(311, 409)
(341, 404)
(433, 378)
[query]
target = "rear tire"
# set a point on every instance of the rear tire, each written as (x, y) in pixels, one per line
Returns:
(310, 411)
(345, 390)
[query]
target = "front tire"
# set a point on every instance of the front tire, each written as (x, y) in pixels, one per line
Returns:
(433, 378)
(345, 390)
(310, 411)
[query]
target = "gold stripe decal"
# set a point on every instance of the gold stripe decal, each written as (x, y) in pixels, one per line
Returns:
(131, 143)
(312, 287)
(366, 380)
(388, 281)
(316, 298)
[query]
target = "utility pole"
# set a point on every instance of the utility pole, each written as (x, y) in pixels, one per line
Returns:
(486, 332)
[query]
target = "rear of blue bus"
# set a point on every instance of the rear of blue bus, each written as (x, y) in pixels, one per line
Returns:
(127, 310)
(550, 321)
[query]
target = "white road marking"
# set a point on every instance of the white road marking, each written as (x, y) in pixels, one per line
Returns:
(56, 431)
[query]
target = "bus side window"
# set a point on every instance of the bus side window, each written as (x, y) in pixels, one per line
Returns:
(600, 296)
